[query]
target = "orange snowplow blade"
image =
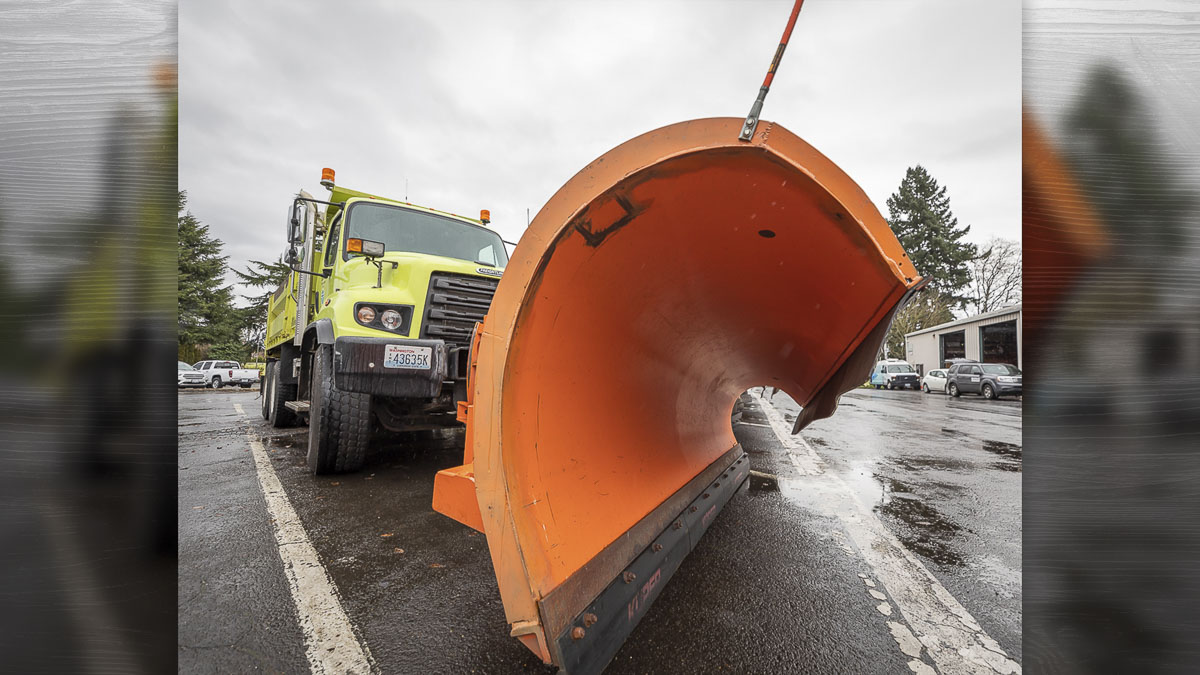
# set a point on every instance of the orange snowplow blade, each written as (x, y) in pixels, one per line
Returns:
(667, 277)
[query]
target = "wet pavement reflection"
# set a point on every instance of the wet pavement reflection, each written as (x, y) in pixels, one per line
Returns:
(944, 475)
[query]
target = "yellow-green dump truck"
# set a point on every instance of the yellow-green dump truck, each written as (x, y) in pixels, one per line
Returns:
(373, 325)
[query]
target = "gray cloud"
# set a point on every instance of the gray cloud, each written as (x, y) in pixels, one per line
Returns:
(494, 105)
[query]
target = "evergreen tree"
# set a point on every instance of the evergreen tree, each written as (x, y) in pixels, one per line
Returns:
(206, 313)
(919, 215)
(266, 276)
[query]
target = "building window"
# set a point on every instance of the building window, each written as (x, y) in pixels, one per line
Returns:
(998, 343)
(954, 345)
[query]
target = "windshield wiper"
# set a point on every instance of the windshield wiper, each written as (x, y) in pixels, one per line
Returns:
(480, 262)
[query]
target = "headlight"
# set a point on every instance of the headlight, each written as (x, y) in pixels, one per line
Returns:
(1006, 378)
(367, 314)
(390, 319)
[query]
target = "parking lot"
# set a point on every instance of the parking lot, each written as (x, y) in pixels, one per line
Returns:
(884, 539)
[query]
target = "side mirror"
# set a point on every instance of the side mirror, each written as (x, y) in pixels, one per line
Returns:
(368, 248)
(295, 223)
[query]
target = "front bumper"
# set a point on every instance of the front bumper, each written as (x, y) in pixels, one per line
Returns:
(905, 384)
(192, 383)
(360, 365)
(1006, 389)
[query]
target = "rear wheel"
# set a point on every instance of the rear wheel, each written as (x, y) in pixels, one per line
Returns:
(279, 393)
(953, 389)
(339, 422)
(988, 392)
(216, 382)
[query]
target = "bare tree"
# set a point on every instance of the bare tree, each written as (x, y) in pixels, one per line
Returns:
(927, 308)
(996, 275)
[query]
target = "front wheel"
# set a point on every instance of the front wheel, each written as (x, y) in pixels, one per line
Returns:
(216, 382)
(925, 388)
(339, 422)
(988, 392)
(954, 390)
(890, 386)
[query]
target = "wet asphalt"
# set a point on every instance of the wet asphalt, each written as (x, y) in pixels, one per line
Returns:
(772, 586)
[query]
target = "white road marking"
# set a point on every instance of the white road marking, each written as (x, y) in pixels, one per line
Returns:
(909, 644)
(238, 407)
(329, 640)
(802, 455)
(953, 638)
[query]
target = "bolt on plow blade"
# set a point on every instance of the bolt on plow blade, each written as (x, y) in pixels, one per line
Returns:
(670, 275)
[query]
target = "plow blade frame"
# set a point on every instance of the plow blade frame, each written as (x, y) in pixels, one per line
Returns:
(664, 279)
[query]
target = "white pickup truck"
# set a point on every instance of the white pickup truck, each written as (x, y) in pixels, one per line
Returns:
(220, 373)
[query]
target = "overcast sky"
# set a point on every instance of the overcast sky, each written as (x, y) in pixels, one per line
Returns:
(496, 104)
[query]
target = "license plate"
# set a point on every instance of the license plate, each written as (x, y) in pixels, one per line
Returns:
(401, 356)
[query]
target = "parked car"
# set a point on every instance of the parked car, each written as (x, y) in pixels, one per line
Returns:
(990, 380)
(894, 374)
(190, 377)
(934, 380)
(220, 373)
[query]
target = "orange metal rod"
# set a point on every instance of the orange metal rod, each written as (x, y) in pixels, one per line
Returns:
(756, 109)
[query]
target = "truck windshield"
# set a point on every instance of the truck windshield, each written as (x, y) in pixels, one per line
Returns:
(402, 229)
(899, 369)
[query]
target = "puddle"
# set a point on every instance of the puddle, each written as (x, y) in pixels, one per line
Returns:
(819, 442)
(1004, 449)
(923, 529)
(927, 530)
(1010, 454)
(927, 463)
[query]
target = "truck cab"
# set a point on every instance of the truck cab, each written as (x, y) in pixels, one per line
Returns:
(373, 327)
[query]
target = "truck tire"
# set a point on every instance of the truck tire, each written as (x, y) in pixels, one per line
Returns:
(339, 422)
(216, 382)
(279, 393)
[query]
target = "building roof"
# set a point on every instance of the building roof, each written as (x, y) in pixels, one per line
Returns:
(1010, 309)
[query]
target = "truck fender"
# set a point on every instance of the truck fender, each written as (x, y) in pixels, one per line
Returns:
(319, 332)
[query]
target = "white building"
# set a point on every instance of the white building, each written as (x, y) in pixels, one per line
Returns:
(991, 337)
